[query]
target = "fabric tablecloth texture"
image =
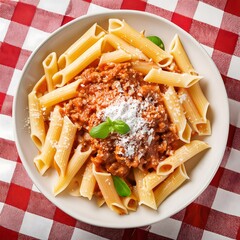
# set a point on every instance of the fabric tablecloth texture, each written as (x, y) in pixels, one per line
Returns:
(25, 213)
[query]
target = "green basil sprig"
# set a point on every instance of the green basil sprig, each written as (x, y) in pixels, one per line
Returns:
(158, 41)
(105, 128)
(121, 187)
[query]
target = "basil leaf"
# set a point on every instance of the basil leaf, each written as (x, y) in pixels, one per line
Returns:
(158, 41)
(100, 131)
(121, 127)
(122, 188)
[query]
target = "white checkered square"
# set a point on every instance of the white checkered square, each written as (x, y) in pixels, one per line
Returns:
(165, 4)
(208, 49)
(35, 189)
(6, 127)
(168, 228)
(233, 71)
(54, 6)
(1, 207)
(93, 8)
(36, 226)
(227, 202)
(7, 168)
(4, 24)
(14, 82)
(34, 38)
(81, 234)
(208, 14)
(233, 162)
(234, 107)
(213, 236)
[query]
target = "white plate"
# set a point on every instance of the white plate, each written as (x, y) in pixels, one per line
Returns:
(201, 169)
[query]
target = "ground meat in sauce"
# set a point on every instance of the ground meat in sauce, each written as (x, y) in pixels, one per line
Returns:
(100, 87)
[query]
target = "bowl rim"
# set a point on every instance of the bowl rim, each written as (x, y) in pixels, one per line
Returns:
(35, 52)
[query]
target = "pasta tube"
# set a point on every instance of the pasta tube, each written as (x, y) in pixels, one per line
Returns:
(180, 156)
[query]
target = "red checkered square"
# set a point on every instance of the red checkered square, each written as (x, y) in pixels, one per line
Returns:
(230, 23)
(66, 19)
(236, 139)
(182, 21)
(11, 217)
(215, 181)
(8, 234)
(6, 107)
(2, 97)
(75, 11)
(204, 33)
(225, 157)
(8, 150)
(40, 205)
(223, 224)
(109, 4)
(233, 7)
(134, 5)
(3, 191)
(233, 87)
(21, 178)
(5, 76)
(207, 197)
(231, 133)
(7, 9)
(16, 34)
(65, 233)
(180, 215)
(218, 4)
(33, 2)
(190, 232)
(9, 54)
(222, 60)
(159, 11)
(24, 13)
(237, 48)
(99, 230)
(23, 194)
(226, 41)
(24, 55)
(46, 21)
(186, 8)
(228, 178)
(62, 217)
(196, 215)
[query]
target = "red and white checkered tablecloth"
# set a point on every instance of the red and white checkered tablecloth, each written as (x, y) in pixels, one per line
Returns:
(215, 214)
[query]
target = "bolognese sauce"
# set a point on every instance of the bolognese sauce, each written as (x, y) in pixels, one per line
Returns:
(118, 92)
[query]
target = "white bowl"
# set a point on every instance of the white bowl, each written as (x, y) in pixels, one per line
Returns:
(201, 169)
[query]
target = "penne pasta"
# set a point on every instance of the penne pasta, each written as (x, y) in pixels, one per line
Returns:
(45, 160)
(180, 156)
(180, 56)
(192, 114)
(172, 182)
(118, 43)
(68, 73)
(75, 163)
(64, 146)
(109, 193)
(130, 202)
(88, 182)
(60, 94)
(146, 196)
(176, 113)
(160, 76)
(151, 180)
(136, 39)
(38, 132)
(50, 67)
(89, 38)
(115, 56)
(144, 67)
